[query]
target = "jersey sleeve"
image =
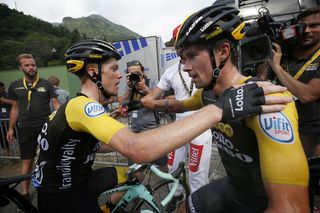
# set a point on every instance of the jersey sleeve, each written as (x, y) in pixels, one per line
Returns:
(282, 158)
(11, 92)
(194, 102)
(164, 83)
(86, 115)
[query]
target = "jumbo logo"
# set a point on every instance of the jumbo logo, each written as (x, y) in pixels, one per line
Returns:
(93, 109)
(225, 128)
(277, 127)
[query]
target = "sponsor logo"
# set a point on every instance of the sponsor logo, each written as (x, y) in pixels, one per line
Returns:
(94, 109)
(214, 33)
(312, 67)
(277, 127)
(65, 166)
(206, 26)
(95, 56)
(224, 144)
(170, 158)
(225, 128)
(41, 89)
(130, 46)
(195, 157)
(239, 99)
(171, 56)
(193, 25)
(37, 174)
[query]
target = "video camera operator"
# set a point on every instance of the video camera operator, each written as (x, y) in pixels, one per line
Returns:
(140, 119)
(300, 73)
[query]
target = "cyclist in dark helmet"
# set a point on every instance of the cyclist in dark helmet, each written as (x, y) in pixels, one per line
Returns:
(71, 137)
(263, 157)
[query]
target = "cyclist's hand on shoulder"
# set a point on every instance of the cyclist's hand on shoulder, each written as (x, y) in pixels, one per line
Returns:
(250, 99)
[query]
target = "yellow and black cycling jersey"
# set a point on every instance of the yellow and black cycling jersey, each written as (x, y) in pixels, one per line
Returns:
(69, 141)
(263, 148)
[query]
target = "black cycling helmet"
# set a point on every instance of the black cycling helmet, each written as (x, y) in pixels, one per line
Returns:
(208, 25)
(89, 51)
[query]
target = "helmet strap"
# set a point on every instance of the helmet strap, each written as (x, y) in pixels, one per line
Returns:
(98, 81)
(215, 70)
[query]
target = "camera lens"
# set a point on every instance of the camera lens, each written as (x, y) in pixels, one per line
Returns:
(134, 78)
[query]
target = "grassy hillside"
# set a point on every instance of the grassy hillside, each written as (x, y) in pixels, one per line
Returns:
(68, 81)
(96, 26)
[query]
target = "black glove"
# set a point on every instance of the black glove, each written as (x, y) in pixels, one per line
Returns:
(242, 102)
(134, 105)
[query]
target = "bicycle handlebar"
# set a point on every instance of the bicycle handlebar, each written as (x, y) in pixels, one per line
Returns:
(166, 176)
(163, 175)
(11, 180)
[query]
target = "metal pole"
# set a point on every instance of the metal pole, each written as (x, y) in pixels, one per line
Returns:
(299, 5)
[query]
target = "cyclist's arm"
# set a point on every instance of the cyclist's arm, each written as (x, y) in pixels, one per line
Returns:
(283, 163)
(172, 105)
(85, 115)
(14, 113)
(153, 144)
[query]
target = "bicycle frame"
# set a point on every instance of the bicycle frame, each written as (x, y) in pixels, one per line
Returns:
(10, 193)
(142, 192)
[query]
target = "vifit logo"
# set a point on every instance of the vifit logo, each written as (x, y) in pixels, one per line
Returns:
(277, 127)
(94, 109)
(128, 46)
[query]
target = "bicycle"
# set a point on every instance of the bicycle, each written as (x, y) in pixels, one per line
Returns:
(136, 193)
(9, 193)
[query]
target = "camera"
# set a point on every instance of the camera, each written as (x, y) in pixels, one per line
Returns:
(134, 78)
(257, 46)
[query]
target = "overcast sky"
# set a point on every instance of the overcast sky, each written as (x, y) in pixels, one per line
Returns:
(145, 17)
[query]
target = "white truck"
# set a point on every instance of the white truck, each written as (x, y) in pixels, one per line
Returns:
(151, 52)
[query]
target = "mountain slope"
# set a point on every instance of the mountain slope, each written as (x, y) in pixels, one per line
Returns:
(96, 26)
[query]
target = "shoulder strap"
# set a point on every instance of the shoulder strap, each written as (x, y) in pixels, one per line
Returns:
(303, 68)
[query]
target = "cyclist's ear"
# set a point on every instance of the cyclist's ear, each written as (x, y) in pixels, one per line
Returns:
(92, 71)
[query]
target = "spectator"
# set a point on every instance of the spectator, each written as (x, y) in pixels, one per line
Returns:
(63, 95)
(141, 119)
(199, 149)
(5, 107)
(30, 107)
(300, 73)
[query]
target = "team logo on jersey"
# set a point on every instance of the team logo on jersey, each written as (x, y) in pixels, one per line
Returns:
(94, 109)
(225, 128)
(277, 127)
(41, 89)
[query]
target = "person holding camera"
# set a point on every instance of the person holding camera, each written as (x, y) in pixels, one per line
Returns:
(266, 167)
(300, 73)
(141, 119)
